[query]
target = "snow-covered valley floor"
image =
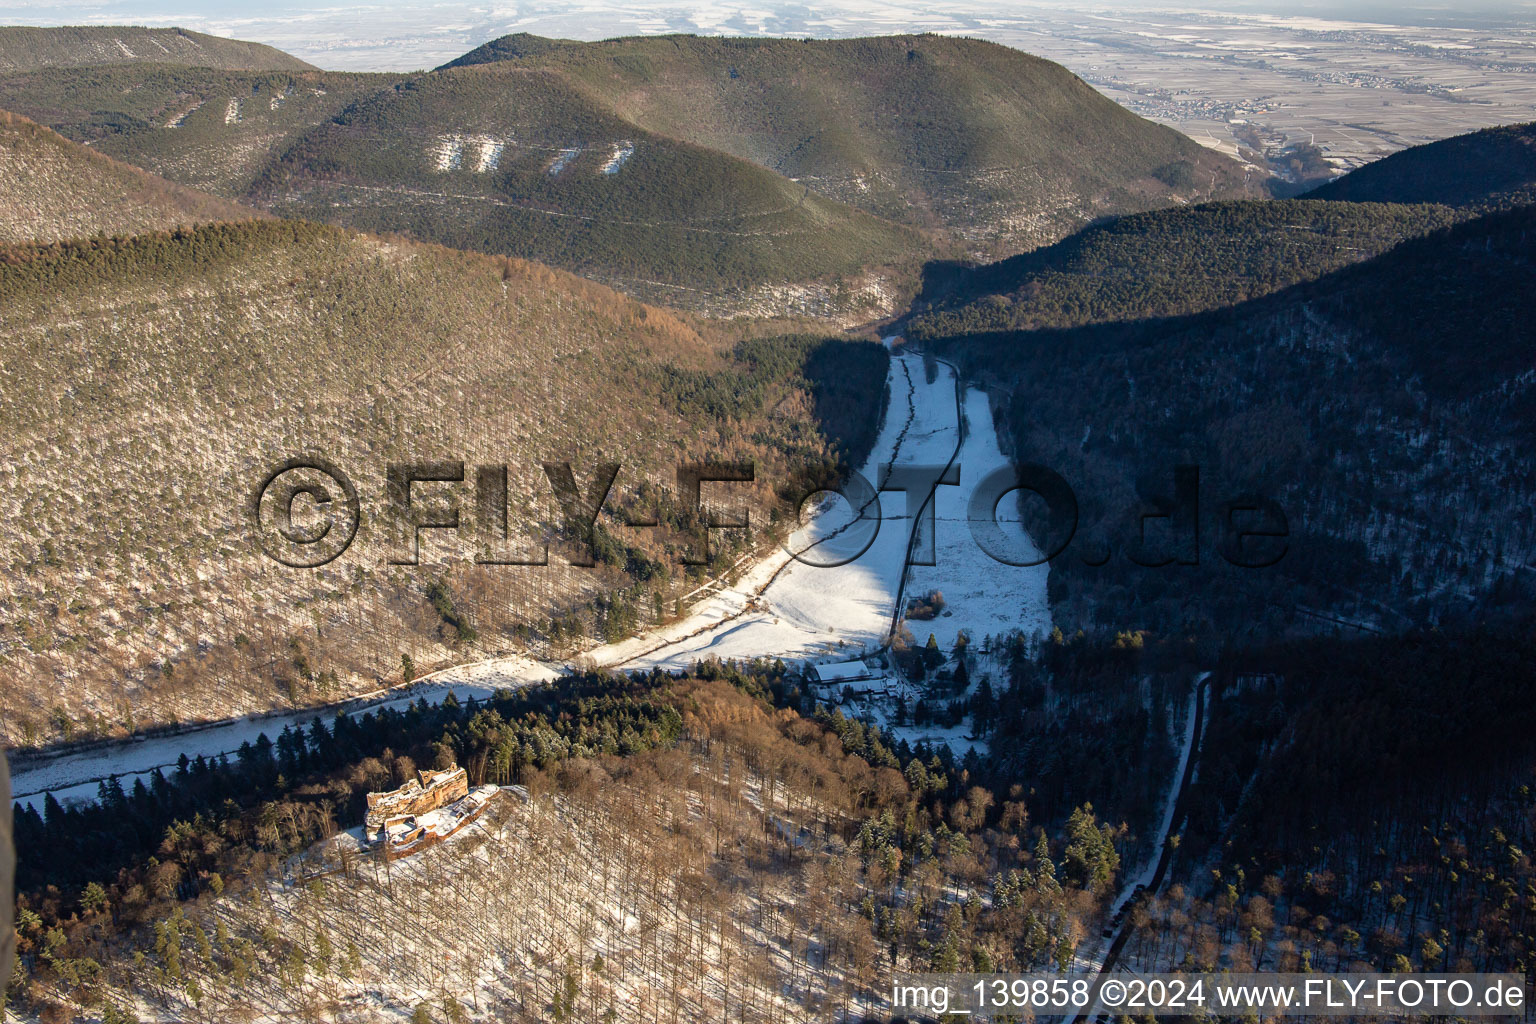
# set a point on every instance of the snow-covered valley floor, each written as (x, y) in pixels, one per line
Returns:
(798, 611)
(982, 596)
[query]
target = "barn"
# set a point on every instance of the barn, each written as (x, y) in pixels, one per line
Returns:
(837, 673)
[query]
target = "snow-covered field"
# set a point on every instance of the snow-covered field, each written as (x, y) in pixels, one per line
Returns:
(981, 595)
(794, 610)
(779, 608)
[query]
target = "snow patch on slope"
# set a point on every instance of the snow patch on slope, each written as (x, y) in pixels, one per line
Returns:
(480, 154)
(560, 161)
(447, 153)
(622, 151)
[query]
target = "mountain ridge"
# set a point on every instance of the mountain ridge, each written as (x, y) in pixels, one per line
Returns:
(880, 122)
(1168, 262)
(528, 167)
(734, 177)
(209, 128)
(509, 47)
(27, 48)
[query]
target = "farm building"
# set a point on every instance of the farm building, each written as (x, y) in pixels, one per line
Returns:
(836, 673)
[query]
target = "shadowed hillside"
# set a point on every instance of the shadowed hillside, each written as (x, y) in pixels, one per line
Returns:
(1490, 168)
(1169, 263)
(1384, 406)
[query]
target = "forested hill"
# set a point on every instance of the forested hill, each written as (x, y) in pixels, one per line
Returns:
(193, 362)
(1489, 168)
(1168, 263)
(1375, 792)
(52, 189)
(510, 47)
(1385, 406)
(209, 128)
(24, 48)
(1001, 149)
(524, 163)
(731, 176)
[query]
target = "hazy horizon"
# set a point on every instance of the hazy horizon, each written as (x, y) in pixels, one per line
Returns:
(419, 36)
